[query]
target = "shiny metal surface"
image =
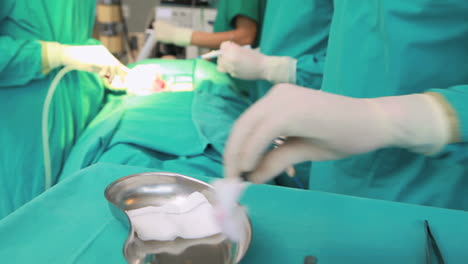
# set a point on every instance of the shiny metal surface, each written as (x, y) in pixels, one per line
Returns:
(155, 189)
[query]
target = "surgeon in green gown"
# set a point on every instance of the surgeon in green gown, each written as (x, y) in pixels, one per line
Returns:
(36, 39)
(391, 120)
(236, 20)
(288, 53)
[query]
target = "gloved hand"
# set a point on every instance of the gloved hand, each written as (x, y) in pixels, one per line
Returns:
(250, 64)
(321, 126)
(93, 58)
(170, 34)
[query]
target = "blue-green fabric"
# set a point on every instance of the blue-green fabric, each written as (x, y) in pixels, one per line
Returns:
(72, 224)
(23, 89)
(383, 48)
(127, 154)
(159, 130)
(297, 29)
(228, 10)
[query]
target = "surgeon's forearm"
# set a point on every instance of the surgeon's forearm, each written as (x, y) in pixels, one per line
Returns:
(20, 61)
(245, 33)
(46, 67)
(423, 123)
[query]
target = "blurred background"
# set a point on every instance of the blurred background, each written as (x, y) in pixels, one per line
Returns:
(124, 26)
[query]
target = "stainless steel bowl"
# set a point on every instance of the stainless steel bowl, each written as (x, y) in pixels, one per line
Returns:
(155, 189)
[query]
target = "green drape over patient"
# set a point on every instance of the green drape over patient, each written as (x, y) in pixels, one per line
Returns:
(181, 132)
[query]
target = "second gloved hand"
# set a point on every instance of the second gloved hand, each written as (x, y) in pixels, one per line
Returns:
(167, 33)
(321, 126)
(250, 64)
(92, 58)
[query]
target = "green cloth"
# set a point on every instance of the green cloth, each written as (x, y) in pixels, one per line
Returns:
(72, 224)
(23, 89)
(297, 29)
(127, 154)
(383, 48)
(228, 10)
(159, 130)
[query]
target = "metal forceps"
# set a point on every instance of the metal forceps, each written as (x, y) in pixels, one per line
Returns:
(431, 246)
(290, 171)
(277, 142)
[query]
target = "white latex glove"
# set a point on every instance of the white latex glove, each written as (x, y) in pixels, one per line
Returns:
(170, 34)
(249, 64)
(93, 58)
(322, 126)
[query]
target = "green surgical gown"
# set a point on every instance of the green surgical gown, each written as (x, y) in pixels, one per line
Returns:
(23, 89)
(298, 29)
(384, 48)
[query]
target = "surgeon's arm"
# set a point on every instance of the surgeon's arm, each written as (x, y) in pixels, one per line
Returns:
(244, 34)
(324, 126)
(251, 64)
(20, 61)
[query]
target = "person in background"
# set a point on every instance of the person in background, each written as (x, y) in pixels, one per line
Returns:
(36, 40)
(390, 121)
(288, 53)
(292, 48)
(239, 21)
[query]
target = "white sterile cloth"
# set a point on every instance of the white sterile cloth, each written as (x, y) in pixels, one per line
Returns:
(188, 218)
(229, 214)
(177, 246)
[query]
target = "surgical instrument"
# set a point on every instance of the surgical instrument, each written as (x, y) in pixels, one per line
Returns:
(216, 53)
(431, 243)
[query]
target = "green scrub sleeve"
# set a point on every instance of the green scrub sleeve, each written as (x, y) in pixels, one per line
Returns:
(457, 110)
(248, 8)
(309, 71)
(20, 61)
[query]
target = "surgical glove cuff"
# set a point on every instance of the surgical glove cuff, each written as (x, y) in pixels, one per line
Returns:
(280, 69)
(52, 55)
(182, 37)
(167, 33)
(450, 114)
(416, 122)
